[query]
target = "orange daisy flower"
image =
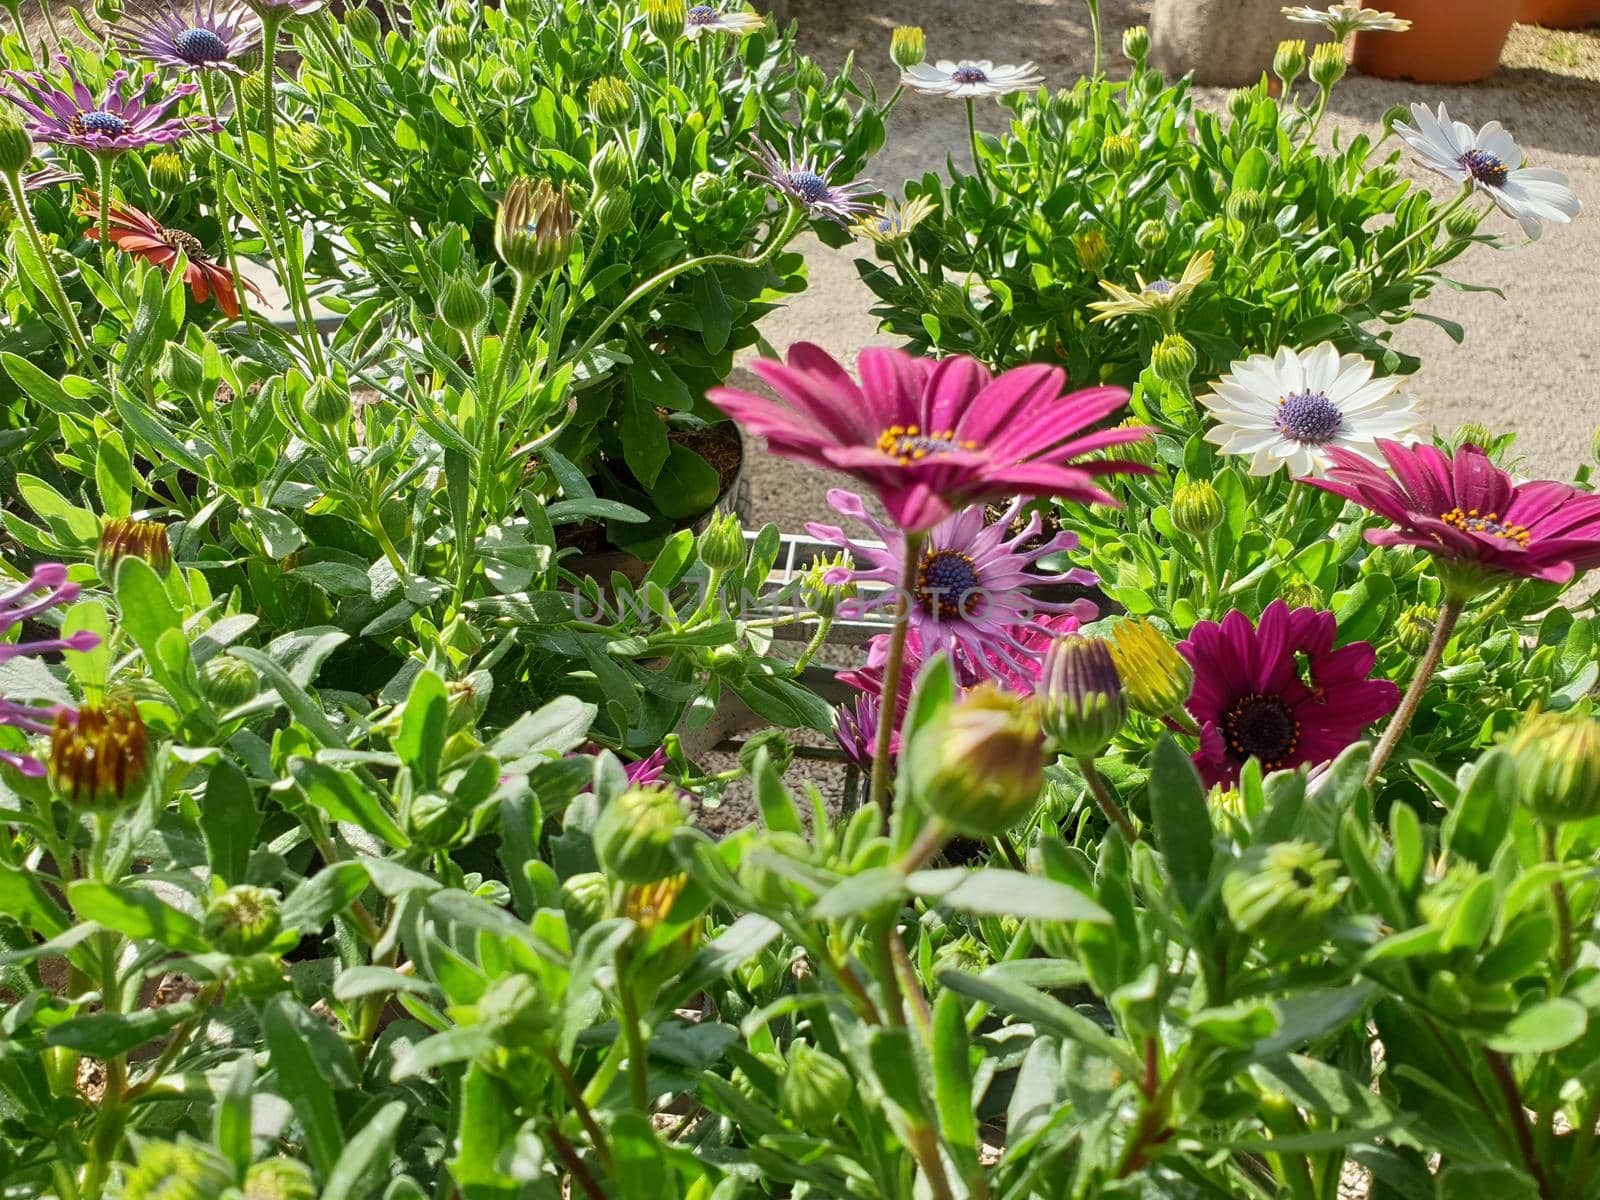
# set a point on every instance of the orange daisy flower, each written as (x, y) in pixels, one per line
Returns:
(139, 233)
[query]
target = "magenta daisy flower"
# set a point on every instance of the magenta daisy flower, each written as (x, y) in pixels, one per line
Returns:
(929, 438)
(1470, 515)
(46, 588)
(1279, 691)
(970, 596)
(804, 180)
(191, 38)
(855, 728)
(72, 116)
(646, 770)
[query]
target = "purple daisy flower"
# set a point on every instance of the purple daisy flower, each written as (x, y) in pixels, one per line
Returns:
(855, 727)
(804, 180)
(646, 770)
(970, 597)
(209, 38)
(71, 116)
(44, 589)
(48, 176)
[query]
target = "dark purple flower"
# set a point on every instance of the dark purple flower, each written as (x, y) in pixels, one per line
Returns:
(804, 180)
(191, 38)
(1470, 515)
(855, 726)
(69, 115)
(44, 589)
(1279, 691)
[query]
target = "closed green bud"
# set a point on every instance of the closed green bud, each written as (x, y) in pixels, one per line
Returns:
(1299, 592)
(1241, 102)
(775, 742)
(279, 1178)
(516, 1011)
(721, 545)
(949, 300)
(1082, 700)
(1196, 508)
(363, 26)
(1152, 236)
(1353, 288)
(707, 189)
(585, 899)
(327, 402)
(534, 228)
(1118, 151)
(506, 83)
(257, 977)
(254, 89)
(822, 596)
(1093, 250)
(978, 765)
(1463, 223)
(453, 42)
(175, 1171)
(314, 142)
(168, 174)
(1396, 114)
(227, 682)
(1474, 433)
(809, 77)
(1558, 766)
(815, 1088)
(1281, 893)
(1414, 627)
(1136, 44)
(243, 920)
(182, 370)
(123, 537)
(518, 10)
(1174, 359)
(633, 836)
(1245, 205)
(610, 168)
(612, 211)
(462, 305)
(611, 101)
(109, 11)
(1264, 234)
(1328, 64)
(908, 46)
(665, 19)
(1289, 62)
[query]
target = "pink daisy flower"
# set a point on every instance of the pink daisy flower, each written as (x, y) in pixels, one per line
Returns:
(70, 115)
(1279, 691)
(929, 438)
(46, 588)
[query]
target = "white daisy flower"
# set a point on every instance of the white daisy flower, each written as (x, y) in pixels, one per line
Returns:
(966, 79)
(1346, 19)
(703, 18)
(1285, 411)
(1489, 160)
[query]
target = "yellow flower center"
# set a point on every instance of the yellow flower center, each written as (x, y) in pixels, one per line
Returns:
(1472, 521)
(909, 444)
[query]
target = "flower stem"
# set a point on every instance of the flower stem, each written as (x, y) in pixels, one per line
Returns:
(972, 137)
(104, 162)
(888, 709)
(217, 171)
(1107, 802)
(58, 295)
(1558, 894)
(1094, 24)
(259, 208)
(638, 1057)
(1449, 614)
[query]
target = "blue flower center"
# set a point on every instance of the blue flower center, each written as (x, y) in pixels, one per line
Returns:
(701, 14)
(1161, 287)
(199, 46)
(969, 74)
(948, 584)
(103, 123)
(809, 186)
(1261, 727)
(1309, 418)
(1485, 168)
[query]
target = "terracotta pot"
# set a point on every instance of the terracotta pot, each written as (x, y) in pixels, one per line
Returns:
(1450, 41)
(1560, 14)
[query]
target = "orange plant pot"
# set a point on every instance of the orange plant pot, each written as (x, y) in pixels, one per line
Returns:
(1560, 14)
(1450, 41)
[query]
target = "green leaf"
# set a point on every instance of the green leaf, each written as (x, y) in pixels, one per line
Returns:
(1542, 1028)
(871, 890)
(423, 721)
(137, 913)
(147, 613)
(319, 899)
(1476, 828)
(642, 1171)
(106, 1035)
(687, 484)
(1182, 822)
(229, 820)
(1006, 894)
(113, 475)
(952, 1080)
(344, 797)
(231, 1124)
(24, 899)
(1045, 1012)
(289, 1035)
(365, 1158)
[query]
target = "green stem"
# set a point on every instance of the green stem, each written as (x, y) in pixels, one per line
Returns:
(104, 162)
(58, 294)
(217, 166)
(1291, 511)
(1208, 564)
(1094, 24)
(638, 1058)
(1500, 1070)
(1449, 613)
(258, 207)
(972, 139)
(815, 644)
(1429, 227)
(1107, 802)
(889, 703)
(1558, 894)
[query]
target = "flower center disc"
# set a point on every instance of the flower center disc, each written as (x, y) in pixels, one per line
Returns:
(178, 239)
(1485, 168)
(969, 75)
(1472, 521)
(1261, 727)
(1161, 287)
(199, 46)
(948, 584)
(909, 444)
(1309, 417)
(104, 123)
(810, 186)
(701, 14)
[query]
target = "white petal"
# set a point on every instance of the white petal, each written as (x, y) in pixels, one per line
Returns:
(1321, 367)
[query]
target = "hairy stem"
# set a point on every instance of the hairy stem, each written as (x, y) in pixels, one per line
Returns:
(1449, 614)
(889, 706)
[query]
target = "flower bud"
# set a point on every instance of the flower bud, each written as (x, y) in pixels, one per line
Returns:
(182, 370)
(1474, 433)
(462, 305)
(453, 43)
(908, 46)
(978, 765)
(1328, 64)
(1299, 592)
(434, 822)
(1463, 223)
(168, 174)
(534, 228)
(1156, 679)
(327, 403)
(254, 89)
(633, 835)
(1174, 359)
(1264, 234)
(518, 10)
(515, 1010)
(648, 905)
(1136, 44)
(1245, 205)
(1081, 695)
(123, 537)
(1558, 766)
(243, 920)
(227, 682)
(611, 101)
(826, 584)
(506, 83)
(707, 189)
(280, 1178)
(1118, 151)
(1281, 893)
(1354, 288)
(257, 977)
(1142, 451)
(1092, 250)
(721, 545)
(1289, 62)
(775, 742)
(809, 77)
(1196, 508)
(950, 300)
(313, 142)
(611, 212)
(585, 898)
(665, 19)
(1396, 114)
(1414, 627)
(363, 26)
(610, 168)
(99, 755)
(815, 1088)
(1151, 236)
(1241, 102)
(175, 1171)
